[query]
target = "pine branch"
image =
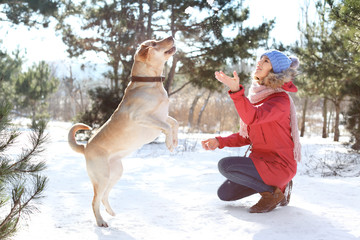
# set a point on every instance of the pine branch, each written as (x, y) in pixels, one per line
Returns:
(10, 140)
(5, 109)
(21, 206)
(8, 225)
(25, 184)
(38, 138)
(39, 184)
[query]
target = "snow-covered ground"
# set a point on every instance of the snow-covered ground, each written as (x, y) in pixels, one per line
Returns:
(170, 196)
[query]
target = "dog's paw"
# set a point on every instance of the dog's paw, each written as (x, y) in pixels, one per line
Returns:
(102, 223)
(171, 148)
(169, 143)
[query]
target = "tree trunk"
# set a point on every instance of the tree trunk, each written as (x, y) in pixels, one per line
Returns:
(203, 109)
(149, 29)
(116, 76)
(329, 121)
(171, 74)
(33, 114)
(324, 132)
(173, 19)
(192, 109)
(170, 77)
(303, 117)
(337, 121)
(141, 30)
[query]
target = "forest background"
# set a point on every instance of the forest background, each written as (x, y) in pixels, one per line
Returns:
(211, 35)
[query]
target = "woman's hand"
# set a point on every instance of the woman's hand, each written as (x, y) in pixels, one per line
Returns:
(210, 144)
(232, 82)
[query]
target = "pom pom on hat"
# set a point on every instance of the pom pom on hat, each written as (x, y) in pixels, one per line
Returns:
(280, 61)
(294, 62)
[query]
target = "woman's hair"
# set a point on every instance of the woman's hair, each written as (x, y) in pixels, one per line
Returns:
(276, 80)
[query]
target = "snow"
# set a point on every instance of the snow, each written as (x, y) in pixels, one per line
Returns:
(165, 195)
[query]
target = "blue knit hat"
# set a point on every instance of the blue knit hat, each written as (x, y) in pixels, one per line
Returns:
(279, 61)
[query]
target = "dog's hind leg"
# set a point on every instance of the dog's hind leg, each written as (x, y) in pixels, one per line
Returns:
(99, 173)
(99, 191)
(115, 174)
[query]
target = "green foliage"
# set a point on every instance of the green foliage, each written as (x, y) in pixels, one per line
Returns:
(211, 42)
(330, 62)
(27, 91)
(104, 102)
(10, 68)
(120, 26)
(29, 12)
(20, 179)
(346, 14)
(33, 87)
(117, 33)
(353, 116)
(116, 28)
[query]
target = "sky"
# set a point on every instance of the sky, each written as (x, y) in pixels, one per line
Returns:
(286, 14)
(46, 44)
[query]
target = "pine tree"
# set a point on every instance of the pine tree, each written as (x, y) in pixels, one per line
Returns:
(20, 179)
(209, 46)
(117, 27)
(33, 88)
(29, 12)
(353, 115)
(346, 14)
(10, 69)
(328, 62)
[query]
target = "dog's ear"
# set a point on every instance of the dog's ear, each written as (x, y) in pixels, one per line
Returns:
(143, 52)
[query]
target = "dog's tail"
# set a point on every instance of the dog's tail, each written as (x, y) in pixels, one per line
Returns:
(71, 137)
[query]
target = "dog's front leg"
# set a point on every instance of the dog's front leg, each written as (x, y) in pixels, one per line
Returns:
(174, 129)
(163, 126)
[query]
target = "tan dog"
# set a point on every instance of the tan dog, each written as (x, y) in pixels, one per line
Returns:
(140, 117)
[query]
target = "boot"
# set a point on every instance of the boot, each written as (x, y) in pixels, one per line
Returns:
(268, 201)
(287, 194)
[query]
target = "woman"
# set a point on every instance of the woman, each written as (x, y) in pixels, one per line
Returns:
(268, 124)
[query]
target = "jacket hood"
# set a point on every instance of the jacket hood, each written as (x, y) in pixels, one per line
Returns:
(289, 87)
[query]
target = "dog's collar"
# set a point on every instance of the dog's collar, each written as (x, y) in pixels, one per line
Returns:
(147, 79)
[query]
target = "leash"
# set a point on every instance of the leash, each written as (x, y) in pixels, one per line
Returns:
(147, 79)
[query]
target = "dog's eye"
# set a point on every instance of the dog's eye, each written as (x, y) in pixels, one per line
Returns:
(153, 44)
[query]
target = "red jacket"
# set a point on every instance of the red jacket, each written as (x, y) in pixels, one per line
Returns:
(269, 132)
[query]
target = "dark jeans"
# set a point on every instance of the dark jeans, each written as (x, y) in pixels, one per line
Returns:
(243, 179)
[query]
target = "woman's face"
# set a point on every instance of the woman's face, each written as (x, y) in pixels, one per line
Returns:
(263, 67)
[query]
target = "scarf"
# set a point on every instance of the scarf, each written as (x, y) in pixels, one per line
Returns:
(258, 93)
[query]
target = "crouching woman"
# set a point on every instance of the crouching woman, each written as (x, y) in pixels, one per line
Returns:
(268, 124)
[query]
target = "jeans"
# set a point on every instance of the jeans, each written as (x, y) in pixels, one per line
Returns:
(242, 179)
